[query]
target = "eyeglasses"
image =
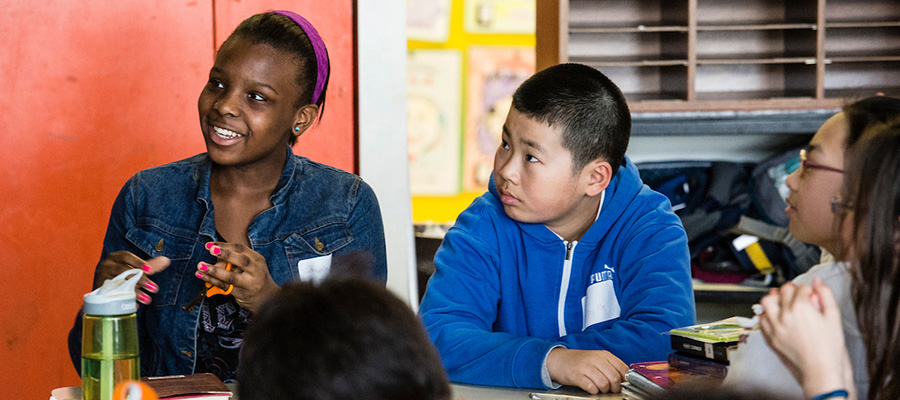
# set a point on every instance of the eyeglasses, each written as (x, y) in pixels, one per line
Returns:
(811, 165)
(840, 207)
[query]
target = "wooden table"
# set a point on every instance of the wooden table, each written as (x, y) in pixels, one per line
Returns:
(460, 392)
(471, 392)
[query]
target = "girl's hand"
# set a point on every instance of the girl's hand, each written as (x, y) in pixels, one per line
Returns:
(120, 261)
(249, 274)
(802, 324)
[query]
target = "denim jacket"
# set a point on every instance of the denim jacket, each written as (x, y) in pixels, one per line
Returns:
(167, 211)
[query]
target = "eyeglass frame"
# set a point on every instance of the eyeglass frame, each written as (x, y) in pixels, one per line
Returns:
(804, 163)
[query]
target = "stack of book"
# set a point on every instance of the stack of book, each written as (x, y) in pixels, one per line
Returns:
(704, 348)
(700, 354)
(649, 380)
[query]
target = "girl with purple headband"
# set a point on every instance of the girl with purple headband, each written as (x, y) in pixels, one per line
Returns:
(219, 233)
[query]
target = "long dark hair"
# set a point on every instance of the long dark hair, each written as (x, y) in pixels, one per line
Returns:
(872, 191)
(867, 112)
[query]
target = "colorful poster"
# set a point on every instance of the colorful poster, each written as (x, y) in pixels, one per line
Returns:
(428, 20)
(494, 74)
(433, 113)
(500, 16)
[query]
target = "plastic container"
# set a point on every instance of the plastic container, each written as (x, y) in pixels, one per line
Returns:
(109, 350)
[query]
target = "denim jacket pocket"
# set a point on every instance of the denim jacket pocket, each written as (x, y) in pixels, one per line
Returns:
(318, 242)
(155, 242)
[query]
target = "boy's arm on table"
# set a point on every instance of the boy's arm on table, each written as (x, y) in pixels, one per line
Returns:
(459, 310)
(656, 295)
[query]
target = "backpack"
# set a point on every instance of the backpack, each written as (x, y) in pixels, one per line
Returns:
(730, 212)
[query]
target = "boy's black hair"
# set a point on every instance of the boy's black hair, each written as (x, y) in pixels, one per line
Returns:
(343, 339)
(284, 34)
(589, 108)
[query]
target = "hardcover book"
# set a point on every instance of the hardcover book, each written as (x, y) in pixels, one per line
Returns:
(632, 392)
(666, 377)
(188, 387)
(642, 385)
(699, 348)
(698, 365)
(726, 330)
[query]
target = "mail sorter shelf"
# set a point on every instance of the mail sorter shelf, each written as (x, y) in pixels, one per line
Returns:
(697, 55)
(635, 61)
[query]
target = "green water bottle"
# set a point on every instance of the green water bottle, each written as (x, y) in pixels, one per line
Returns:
(109, 349)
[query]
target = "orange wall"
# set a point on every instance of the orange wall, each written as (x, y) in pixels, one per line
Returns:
(90, 96)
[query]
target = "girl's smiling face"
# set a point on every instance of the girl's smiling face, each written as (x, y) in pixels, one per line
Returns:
(249, 106)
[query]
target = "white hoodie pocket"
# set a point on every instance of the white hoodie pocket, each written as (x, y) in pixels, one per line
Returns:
(599, 303)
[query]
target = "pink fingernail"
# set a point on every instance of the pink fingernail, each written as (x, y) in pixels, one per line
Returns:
(151, 286)
(216, 251)
(209, 245)
(145, 267)
(144, 298)
(203, 267)
(199, 275)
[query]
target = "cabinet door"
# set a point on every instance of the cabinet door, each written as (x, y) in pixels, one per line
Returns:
(92, 92)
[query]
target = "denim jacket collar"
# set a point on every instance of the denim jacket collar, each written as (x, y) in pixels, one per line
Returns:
(292, 169)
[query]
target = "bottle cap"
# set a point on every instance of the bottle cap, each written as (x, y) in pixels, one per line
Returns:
(115, 297)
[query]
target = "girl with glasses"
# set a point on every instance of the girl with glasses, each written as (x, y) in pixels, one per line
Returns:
(813, 190)
(802, 323)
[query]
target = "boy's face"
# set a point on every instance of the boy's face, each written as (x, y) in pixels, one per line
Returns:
(534, 176)
(812, 188)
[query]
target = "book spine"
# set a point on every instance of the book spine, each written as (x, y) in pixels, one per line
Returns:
(697, 348)
(641, 382)
(699, 365)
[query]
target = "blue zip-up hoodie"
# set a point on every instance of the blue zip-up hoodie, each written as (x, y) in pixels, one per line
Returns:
(506, 292)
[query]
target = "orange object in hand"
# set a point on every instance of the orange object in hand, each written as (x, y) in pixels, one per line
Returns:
(134, 390)
(214, 290)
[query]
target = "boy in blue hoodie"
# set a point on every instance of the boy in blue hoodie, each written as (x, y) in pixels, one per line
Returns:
(569, 267)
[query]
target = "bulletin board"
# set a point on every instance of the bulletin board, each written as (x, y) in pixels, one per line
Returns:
(490, 44)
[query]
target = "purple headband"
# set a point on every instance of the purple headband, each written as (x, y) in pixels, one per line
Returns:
(318, 48)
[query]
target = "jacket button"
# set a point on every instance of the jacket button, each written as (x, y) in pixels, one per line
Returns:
(159, 245)
(319, 245)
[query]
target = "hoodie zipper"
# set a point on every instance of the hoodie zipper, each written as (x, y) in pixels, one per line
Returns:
(564, 287)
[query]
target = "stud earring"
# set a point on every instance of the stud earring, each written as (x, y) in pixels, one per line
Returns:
(296, 129)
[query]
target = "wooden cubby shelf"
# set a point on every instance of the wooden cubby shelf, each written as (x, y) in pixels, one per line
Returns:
(709, 55)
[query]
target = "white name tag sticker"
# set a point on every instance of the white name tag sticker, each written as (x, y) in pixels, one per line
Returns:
(599, 304)
(314, 269)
